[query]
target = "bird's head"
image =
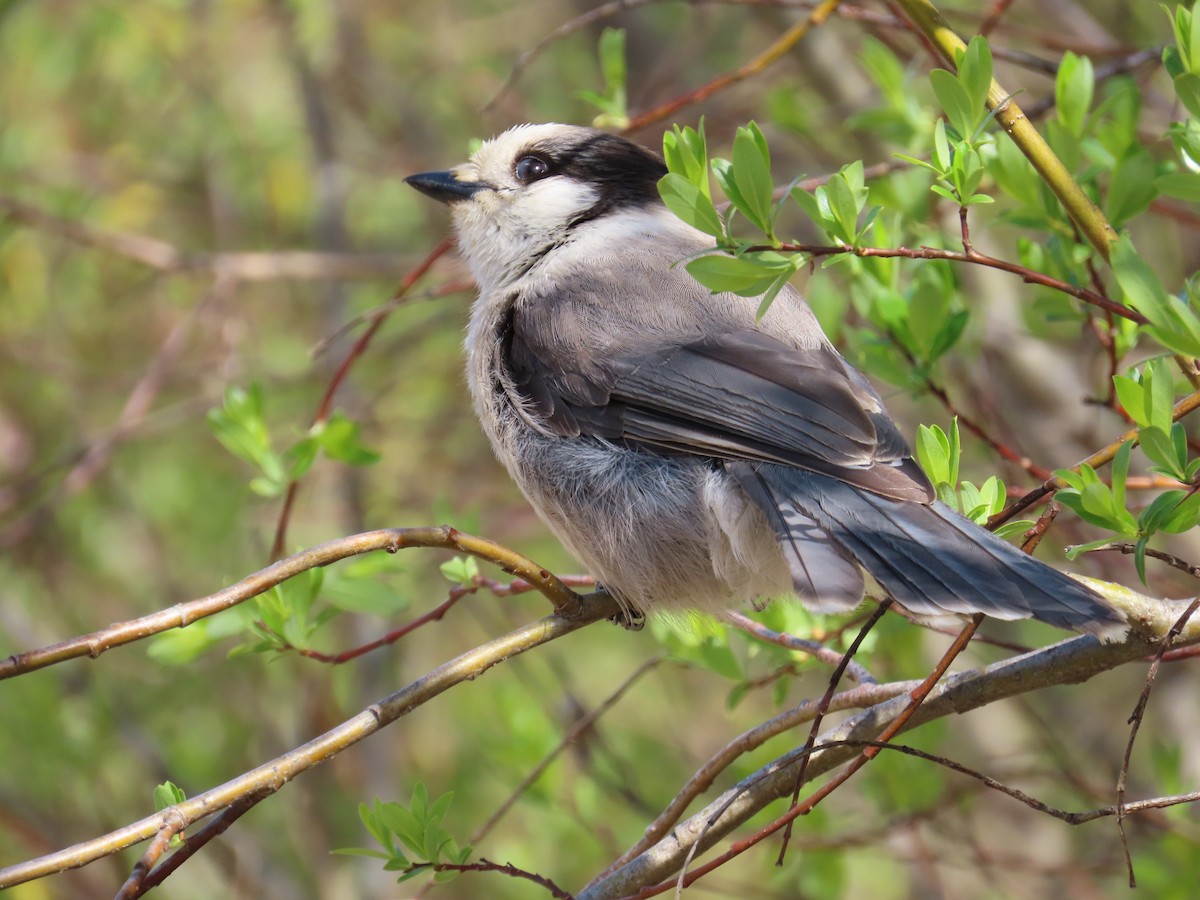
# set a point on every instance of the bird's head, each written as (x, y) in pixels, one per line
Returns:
(533, 188)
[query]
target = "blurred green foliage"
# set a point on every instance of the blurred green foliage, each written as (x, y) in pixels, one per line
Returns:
(129, 130)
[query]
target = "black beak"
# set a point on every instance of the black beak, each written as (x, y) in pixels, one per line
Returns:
(444, 186)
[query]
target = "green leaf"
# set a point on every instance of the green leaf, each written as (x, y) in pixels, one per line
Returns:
(1160, 448)
(686, 153)
(975, 75)
(462, 570)
(1174, 325)
(1131, 397)
(1187, 89)
(752, 171)
(1120, 471)
(955, 101)
(738, 275)
(1131, 188)
(1073, 88)
(1181, 185)
(339, 437)
(690, 203)
(718, 656)
(939, 453)
(167, 794)
(846, 197)
(611, 103)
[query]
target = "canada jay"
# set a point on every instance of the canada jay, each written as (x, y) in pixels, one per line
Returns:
(692, 456)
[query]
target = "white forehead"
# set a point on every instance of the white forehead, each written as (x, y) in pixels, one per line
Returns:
(493, 161)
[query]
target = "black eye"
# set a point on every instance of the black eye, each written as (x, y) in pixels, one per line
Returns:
(531, 168)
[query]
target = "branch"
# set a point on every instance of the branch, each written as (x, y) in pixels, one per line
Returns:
(772, 54)
(855, 670)
(1097, 459)
(565, 601)
(296, 265)
(1030, 276)
(360, 346)
(1016, 124)
(271, 776)
(1071, 661)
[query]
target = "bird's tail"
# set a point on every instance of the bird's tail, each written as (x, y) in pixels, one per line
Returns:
(929, 558)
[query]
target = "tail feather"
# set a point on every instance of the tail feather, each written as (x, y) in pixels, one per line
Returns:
(929, 558)
(823, 574)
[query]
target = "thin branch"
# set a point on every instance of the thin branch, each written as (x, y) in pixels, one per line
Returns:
(856, 671)
(582, 724)
(95, 456)
(608, 10)
(485, 865)
(1030, 276)
(294, 265)
(1071, 818)
(325, 407)
(746, 742)
(498, 589)
(823, 707)
(781, 47)
(273, 775)
(192, 844)
(1079, 207)
(1135, 721)
(133, 886)
(390, 540)
(1069, 662)
(1097, 459)
(1171, 560)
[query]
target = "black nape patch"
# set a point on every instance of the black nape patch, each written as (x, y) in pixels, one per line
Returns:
(625, 174)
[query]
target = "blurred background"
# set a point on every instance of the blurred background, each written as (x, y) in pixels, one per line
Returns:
(147, 146)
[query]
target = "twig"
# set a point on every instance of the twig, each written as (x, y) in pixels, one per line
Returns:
(995, 14)
(391, 540)
(1135, 721)
(1030, 276)
(325, 407)
(485, 865)
(1071, 818)
(93, 459)
(702, 779)
(434, 615)
(134, 885)
(856, 671)
(1078, 205)
(772, 54)
(295, 265)
(1099, 458)
(272, 776)
(193, 843)
(1171, 560)
(1071, 661)
(822, 708)
(582, 724)
(1034, 535)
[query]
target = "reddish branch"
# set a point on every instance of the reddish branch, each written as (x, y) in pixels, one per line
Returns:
(916, 699)
(1030, 276)
(498, 588)
(325, 407)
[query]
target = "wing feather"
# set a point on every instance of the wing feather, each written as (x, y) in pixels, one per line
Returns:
(741, 395)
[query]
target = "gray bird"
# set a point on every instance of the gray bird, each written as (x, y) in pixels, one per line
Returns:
(692, 456)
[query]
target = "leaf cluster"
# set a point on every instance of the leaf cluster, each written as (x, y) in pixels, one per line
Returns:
(414, 838)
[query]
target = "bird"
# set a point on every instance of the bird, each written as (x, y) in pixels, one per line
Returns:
(694, 456)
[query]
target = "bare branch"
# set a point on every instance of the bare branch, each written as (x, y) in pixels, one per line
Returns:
(1068, 662)
(392, 540)
(294, 265)
(855, 670)
(271, 776)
